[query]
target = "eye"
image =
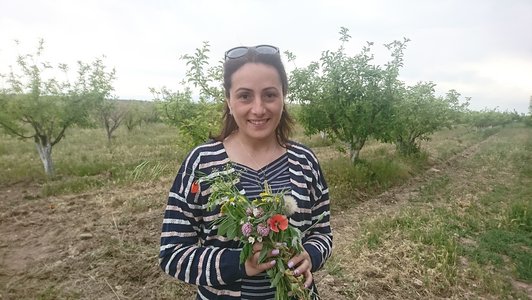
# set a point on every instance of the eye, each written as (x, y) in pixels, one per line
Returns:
(271, 95)
(243, 96)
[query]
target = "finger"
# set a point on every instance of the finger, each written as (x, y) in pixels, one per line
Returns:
(257, 247)
(308, 279)
(267, 265)
(295, 261)
(253, 267)
(302, 268)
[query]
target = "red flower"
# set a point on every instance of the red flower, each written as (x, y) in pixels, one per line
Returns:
(278, 222)
(195, 187)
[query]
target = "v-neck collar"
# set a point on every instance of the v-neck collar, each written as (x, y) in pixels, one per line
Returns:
(263, 169)
(251, 168)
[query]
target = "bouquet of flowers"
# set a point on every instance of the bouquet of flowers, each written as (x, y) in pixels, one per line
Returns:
(262, 220)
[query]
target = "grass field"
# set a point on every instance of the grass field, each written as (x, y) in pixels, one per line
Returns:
(453, 222)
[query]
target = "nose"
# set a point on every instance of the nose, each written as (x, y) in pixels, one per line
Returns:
(257, 107)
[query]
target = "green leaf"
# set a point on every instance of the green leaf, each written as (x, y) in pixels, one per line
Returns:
(247, 251)
(276, 278)
(263, 253)
(224, 227)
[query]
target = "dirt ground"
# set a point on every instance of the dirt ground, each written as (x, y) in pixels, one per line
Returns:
(103, 244)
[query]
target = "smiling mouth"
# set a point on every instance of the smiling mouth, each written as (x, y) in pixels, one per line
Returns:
(258, 122)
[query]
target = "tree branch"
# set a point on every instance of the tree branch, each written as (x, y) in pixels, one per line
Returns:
(14, 132)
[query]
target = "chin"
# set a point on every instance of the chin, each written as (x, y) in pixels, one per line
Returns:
(261, 135)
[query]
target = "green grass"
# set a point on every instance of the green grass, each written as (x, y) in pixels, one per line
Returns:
(83, 161)
(483, 217)
(350, 183)
(464, 234)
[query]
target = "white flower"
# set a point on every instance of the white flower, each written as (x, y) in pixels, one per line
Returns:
(251, 240)
(259, 239)
(290, 205)
(258, 212)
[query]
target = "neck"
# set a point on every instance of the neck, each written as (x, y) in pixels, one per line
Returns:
(251, 152)
(255, 146)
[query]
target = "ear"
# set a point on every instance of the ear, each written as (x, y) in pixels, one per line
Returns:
(228, 105)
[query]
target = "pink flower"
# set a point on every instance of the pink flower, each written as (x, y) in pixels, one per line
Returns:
(278, 222)
(263, 230)
(247, 228)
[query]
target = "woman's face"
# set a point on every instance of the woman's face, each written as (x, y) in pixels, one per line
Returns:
(256, 100)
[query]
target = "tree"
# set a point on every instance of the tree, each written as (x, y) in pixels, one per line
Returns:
(111, 116)
(348, 97)
(488, 118)
(107, 111)
(528, 118)
(420, 113)
(38, 106)
(196, 120)
(133, 116)
(138, 112)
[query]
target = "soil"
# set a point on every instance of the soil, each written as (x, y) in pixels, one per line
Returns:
(54, 247)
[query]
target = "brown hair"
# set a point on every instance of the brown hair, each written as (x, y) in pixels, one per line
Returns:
(284, 129)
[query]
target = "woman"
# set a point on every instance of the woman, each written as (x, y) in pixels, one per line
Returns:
(253, 142)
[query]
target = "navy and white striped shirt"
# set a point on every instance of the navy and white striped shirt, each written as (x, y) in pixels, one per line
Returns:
(192, 251)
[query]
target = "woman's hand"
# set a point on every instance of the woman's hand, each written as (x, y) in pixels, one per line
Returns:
(252, 265)
(301, 265)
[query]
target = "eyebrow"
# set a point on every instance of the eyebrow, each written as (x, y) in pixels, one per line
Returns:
(250, 90)
(243, 89)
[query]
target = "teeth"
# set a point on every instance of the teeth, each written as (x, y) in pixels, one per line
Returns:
(257, 122)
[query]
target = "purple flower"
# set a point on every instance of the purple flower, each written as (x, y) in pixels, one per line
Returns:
(247, 228)
(263, 230)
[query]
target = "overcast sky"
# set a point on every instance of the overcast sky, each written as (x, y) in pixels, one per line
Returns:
(481, 48)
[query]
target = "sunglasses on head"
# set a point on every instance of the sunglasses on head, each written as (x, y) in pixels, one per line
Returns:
(240, 51)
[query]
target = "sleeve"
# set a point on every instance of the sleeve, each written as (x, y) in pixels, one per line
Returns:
(182, 254)
(318, 242)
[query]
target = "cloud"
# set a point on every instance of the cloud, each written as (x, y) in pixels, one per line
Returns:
(480, 48)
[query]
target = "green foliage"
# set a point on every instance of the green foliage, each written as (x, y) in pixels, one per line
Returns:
(488, 118)
(139, 112)
(419, 113)
(196, 120)
(348, 97)
(495, 244)
(201, 75)
(35, 105)
(111, 116)
(352, 183)
(148, 170)
(148, 154)
(528, 118)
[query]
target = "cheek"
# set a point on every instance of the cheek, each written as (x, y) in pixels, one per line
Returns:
(280, 110)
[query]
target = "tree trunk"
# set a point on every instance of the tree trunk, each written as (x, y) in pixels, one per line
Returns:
(406, 148)
(354, 153)
(356, 145)
(45, 153)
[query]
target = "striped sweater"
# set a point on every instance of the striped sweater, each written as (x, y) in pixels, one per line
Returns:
(192, 251)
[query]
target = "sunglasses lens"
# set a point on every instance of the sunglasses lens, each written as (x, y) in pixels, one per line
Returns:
(236, 52)
(267, 49)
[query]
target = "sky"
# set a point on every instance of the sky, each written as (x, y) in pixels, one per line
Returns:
(480, 48)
